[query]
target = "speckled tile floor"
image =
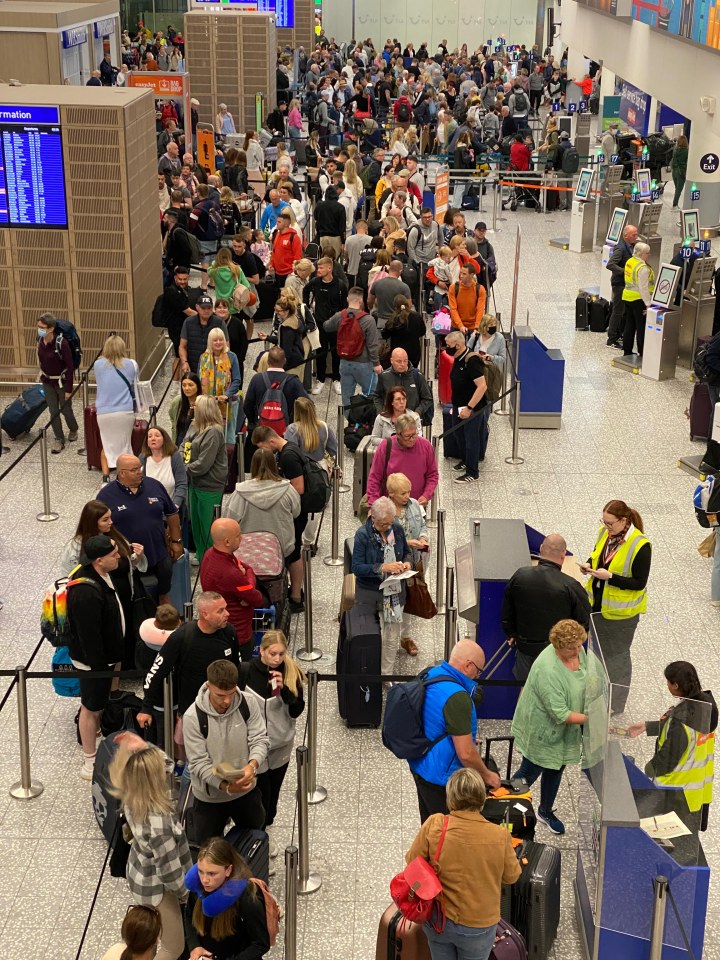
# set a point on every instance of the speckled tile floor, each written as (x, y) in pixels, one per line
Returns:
(620, 437)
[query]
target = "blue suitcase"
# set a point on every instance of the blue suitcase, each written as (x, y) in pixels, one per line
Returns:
(180, 589)
(21, 414)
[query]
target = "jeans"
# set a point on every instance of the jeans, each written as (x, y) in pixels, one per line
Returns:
(55, 396)
(354, 373)
(457, 942)
(472, 439)
(549, 782)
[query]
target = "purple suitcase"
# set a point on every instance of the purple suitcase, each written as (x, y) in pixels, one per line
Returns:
(509, 945)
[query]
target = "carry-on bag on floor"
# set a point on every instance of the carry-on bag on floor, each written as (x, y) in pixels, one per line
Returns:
(536, 898)
(180, 588)
(700, 412)
(509, 944)
(358, 652)
(400, 939)
(552, 200)
(511, 804)
(599, 315)
(93, 443)
(582, 311)
(347, 555)
(362, 464)
(254, 847)
(21, 415)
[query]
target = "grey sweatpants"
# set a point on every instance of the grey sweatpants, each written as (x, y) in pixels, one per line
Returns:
(616, 637)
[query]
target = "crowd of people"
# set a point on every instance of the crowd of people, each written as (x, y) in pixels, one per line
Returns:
(322, 271)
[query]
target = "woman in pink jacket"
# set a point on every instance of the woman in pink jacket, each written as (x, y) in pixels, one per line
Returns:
(295, 120)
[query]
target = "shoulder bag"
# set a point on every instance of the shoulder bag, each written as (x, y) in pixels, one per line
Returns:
(417, 890)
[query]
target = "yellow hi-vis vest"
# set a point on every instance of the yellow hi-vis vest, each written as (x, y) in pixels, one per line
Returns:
(632, 269)
(694, 772)
(618, 604)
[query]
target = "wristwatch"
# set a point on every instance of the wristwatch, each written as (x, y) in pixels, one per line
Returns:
(257, 765)
(176, 541)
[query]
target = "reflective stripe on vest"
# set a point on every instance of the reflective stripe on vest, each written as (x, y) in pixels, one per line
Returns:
(632, 271)
(619, 604)
(694, 772)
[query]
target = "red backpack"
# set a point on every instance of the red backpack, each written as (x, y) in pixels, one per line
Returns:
(273, 406)
(350, 339)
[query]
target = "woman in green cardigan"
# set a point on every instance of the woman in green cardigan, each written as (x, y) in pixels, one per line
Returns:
(549, 715)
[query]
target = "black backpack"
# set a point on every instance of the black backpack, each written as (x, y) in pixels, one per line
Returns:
(521, 101)
(67, 331)
(403, 729)
(702, 370)
(317, 486)
(404, 113)
(158, 316)
(570, 160)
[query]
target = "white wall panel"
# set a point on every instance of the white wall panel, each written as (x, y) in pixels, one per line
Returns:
(393, 20)
(419, 22)
(498, 20)
(367, 21)
(445, 23)
(523, 14)
(471, 24)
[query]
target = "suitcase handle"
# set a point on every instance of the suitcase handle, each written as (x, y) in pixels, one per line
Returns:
(511, 743)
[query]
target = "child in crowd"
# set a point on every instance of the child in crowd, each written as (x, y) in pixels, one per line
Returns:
(154, 632)
(260, 247)
(440, 275)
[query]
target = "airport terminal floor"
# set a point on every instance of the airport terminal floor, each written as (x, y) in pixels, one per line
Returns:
(621, 436)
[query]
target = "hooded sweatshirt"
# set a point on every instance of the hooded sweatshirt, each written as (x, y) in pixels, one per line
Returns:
(280, 712)
(269, 506)
(229, 740)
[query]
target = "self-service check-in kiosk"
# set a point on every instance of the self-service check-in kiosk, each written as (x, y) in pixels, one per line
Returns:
(611, 197)
(646, 216)
(662, 327)
(582, 218)
(698, 309)
(615, 228)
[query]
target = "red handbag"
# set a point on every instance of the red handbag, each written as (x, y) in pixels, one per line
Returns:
(417, 891)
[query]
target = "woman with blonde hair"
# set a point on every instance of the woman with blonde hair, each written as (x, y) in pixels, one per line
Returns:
(489, 342)
(116, 376)
(295, 122)
(226, 274)
(287, 332)
(379, 270)
(277, 681)
(411, 142)
(159, 854)
(225, 915)
(220, 377)
(318, 441)
(353, 181)
(207, 466)
(296, 282)
(392, 231)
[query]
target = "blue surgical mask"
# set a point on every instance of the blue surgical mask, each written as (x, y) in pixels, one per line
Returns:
(42, 332)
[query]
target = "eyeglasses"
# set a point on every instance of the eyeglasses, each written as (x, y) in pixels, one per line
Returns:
(478, 670)
(610, 523)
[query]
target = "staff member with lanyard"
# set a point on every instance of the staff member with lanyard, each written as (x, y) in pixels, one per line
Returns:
(619, 568)
(468, 386)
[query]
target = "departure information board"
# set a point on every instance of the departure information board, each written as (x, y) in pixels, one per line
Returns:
(32, 176)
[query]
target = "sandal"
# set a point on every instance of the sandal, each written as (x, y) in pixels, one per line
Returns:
(409, 646)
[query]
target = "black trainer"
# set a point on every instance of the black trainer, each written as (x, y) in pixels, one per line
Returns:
(465, 478)
(459, 466)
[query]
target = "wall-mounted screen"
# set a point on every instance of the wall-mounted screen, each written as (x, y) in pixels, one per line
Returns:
(690, 224)
(32, 175)
(284, 10)
(665, 285)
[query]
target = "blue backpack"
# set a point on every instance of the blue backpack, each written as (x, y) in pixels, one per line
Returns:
(706, 501)
(403, 731)
(67, 331)
(61, 663)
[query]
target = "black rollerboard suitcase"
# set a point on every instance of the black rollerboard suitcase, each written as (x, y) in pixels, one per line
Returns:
(536, 898)
(582, 311)
(358, 653)
(599, 315)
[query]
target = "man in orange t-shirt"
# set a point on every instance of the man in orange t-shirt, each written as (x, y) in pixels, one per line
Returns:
(467, 299)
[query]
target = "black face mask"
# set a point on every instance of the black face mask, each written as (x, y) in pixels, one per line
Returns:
(492, 329)
(451, 351)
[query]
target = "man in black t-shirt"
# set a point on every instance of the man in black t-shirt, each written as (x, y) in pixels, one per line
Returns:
(291, 464)
(188, 652)
(250, 265)
(468, 388)
(179, 301)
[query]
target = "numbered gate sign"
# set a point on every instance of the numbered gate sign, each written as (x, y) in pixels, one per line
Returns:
(686, 252)
(572, 108)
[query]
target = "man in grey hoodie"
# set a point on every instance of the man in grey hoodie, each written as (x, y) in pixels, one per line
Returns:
(226, 743)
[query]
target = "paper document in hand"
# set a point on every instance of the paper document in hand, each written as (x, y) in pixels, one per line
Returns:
(398, 577)
(664, 827)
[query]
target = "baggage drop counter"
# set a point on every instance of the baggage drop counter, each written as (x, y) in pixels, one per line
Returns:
(623, 816)
(483, 566)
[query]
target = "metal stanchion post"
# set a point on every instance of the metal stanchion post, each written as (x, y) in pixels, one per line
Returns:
(449, 586)
(335, 560)
(291, 892)
(309, 653)
(47, 514)
(188, 611)
(240, 441)
(432, 519)
(427, 429)
(450, 631)
(515, 460)
(425, 357)
(439, 580)
(85, 393)
(217, 511)
(657, 925)
(315, 794)
(307, 882)
(25, 789)
(169, 729)
(344, 487)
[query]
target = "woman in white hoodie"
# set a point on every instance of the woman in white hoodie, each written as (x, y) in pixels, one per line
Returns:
(267, 502)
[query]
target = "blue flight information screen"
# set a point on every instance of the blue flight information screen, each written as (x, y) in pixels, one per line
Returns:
(32, 176)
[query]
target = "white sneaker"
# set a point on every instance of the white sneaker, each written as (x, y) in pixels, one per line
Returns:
(194, 562)
(86, 771)
(271, 871)
(316, 387)
(274, 849)
(337, 387)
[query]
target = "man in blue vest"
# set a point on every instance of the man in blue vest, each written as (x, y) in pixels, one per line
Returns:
(449, 709)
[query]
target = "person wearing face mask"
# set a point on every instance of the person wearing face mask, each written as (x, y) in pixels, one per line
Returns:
(468, 393)
(619, 569)
(489, 342)
(56, 373)
(225, 917)
(277, 681)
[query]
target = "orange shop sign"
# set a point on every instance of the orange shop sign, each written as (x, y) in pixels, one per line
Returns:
(162, 86)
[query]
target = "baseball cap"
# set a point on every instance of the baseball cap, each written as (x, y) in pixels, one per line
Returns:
(204, 301)
(194, 102)
(481, 225)
(564, 135)
(96, 547)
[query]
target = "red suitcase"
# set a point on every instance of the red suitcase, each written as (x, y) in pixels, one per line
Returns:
(399, 939)
(445, 366)
(93, 443)
(700, 412)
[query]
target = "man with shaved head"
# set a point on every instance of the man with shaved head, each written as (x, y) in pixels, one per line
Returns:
(450, 718)
(222, 572)
(536, 598)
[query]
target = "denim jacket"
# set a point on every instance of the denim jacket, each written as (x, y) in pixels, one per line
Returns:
(368, 556)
